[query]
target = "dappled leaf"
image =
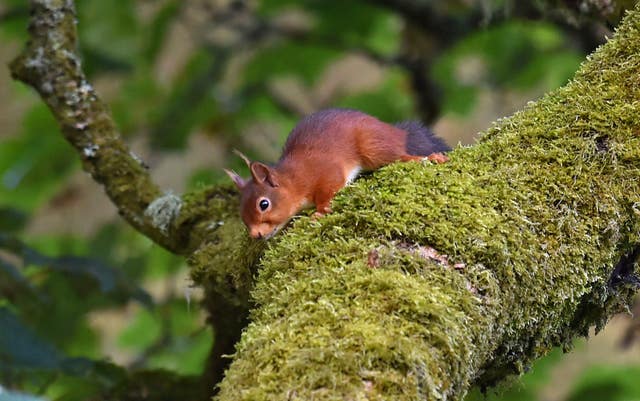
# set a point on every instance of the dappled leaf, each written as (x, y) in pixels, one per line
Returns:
(109, 279)
(355, 25)
(548, 71)
(512, 55)
(12, 219)
(110, 41)
(301, 60)
(13, 283)
(204, 177)
(611, 383)
(20, 348)
(257, 108)
(390, 102)
(173, 328)
(28, 161)
(13, 19)
(191, 102)
(6, 395)
(344, 25)
(155, 33)
(143, 329)
(160, 263)
(193, 351)
(186, 337)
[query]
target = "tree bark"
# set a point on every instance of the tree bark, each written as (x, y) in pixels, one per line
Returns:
(426, 279)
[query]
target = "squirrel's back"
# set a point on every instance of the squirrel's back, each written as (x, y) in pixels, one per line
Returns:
(323, 130)
(327, 130)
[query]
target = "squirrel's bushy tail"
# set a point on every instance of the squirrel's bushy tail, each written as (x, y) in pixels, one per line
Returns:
(421, 141)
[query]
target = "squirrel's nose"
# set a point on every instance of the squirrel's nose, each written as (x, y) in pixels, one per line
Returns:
(256, 234)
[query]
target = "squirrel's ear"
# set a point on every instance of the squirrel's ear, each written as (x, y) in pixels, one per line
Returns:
(263, 173)
(239, 181)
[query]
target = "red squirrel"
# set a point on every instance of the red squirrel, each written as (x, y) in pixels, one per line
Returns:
(322, 154)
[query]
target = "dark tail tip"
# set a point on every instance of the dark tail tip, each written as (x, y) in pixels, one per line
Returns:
(421, 141)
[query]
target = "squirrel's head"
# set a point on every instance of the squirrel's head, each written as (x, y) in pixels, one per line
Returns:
(265, 202)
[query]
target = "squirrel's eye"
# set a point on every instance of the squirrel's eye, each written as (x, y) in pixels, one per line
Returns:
(264, 204)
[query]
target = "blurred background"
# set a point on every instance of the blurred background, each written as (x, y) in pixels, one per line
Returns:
(86, 302)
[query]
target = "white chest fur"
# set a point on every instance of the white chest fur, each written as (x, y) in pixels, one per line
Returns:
(352, 174)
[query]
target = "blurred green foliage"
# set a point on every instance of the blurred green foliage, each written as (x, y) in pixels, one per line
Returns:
(596, 383)
(377, 102)
(514, 55)
(53, 286)
(612, 383)
(27, 158)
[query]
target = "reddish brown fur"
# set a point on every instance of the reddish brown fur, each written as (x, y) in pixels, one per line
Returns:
(318, 157)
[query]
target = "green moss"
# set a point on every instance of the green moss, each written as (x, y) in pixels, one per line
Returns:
(535, 217)
(365, 326)
(227, 264)
(223, 257)
(203, 213)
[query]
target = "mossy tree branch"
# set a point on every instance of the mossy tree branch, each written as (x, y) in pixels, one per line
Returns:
(51, 65)
(428, 279)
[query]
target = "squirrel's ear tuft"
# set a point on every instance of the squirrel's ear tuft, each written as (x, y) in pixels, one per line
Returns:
(263, 173)
(243, 157)
(239, 181)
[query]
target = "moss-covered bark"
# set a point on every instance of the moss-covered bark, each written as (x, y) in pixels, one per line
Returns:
(532, 221)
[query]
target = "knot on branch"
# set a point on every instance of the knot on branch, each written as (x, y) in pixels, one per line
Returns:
(52, 28)
(163, 210)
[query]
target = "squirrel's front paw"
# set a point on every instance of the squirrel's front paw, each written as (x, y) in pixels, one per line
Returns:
(320, 213)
